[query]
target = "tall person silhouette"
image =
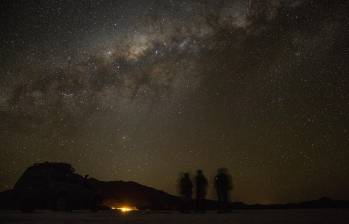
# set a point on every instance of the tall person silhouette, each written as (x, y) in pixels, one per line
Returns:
(201, 190)
(223, 185)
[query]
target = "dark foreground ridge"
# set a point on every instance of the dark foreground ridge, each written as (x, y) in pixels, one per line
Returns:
(56, 186)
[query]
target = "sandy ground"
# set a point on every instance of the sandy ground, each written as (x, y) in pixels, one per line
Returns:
(329, 216)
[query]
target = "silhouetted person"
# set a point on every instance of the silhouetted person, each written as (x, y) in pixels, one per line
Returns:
(201, 190)
(223, 185)
(186, 191)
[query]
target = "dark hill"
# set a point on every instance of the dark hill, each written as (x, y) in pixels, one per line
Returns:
(55, 185)
(121, 192)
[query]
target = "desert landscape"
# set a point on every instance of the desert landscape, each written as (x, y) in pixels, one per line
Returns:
(174, 111)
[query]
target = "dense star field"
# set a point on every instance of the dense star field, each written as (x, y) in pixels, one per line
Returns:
(144, 89)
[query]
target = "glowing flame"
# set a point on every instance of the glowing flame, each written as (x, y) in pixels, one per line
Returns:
(125, 209)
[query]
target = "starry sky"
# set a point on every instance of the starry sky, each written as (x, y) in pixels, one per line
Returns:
(142, 90)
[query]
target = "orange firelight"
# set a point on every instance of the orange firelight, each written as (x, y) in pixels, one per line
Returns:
(125, 209)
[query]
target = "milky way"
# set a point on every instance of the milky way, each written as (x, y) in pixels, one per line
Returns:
(142, 90)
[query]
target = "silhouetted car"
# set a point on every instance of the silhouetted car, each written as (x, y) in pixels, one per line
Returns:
(54, 186)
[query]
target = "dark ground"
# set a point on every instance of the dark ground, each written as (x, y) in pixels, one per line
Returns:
(330, 216)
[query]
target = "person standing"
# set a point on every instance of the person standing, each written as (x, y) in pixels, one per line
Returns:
(223, 185)
(201, 190)
(186, 192)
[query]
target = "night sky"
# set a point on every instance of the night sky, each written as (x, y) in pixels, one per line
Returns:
(142, 90)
